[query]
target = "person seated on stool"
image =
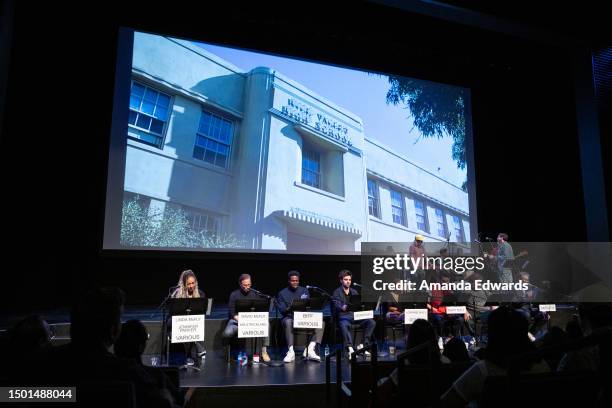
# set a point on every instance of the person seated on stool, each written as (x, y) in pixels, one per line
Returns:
(243, 292)
(341, 299)
(285, 298)
(437, 310)
(187, 287)
(394, 311)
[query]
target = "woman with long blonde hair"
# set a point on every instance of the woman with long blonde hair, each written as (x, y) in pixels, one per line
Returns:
(187, 286)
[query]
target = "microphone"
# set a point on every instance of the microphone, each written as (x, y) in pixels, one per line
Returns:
(260, 293)
(357, 284)
(313, 287)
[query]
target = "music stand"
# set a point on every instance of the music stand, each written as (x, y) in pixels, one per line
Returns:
(253, 305)
(451, 299)
(496, 299)
(182, 307)
(355, 304)
(307, 305)
(414, 299)
(187, 306)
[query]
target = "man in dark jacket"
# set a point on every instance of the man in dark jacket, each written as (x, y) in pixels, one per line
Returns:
(341, 301)
(284, 300)
(243, 292)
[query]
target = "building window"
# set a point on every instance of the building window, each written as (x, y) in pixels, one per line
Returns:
(148, 114)
(421, 215)
(373, 201)
(311, 168)
(202, 223)
(397, 208)
(441, 225)
(459, 235)
(213, 140)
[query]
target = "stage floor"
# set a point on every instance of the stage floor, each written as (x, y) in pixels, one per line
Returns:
(298, 384)
(215, 371)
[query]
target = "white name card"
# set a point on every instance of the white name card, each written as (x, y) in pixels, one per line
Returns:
(253, 324)
(308, 320)
(456, 310)
(410, 315)
(364, 314)
(187, 328)
(548, 308)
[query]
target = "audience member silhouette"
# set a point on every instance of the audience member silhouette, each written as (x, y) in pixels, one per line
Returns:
(131, 344)
(26, 339)
(86, 362)
(507, 338)
(456, 351)
(554, 337)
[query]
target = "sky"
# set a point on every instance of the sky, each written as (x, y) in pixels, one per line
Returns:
(364, 94)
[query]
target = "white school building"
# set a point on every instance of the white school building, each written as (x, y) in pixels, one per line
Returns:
(257, 155)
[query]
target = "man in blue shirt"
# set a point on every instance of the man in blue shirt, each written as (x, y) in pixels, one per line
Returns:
(284, 299)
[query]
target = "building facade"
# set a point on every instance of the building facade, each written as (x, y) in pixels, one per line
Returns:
(259, 156)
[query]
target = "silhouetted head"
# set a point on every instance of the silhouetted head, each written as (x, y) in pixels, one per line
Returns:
(28, 336)
(507, 336)
(132, 341)
(456, 351)
(97, 317)
(420, 332)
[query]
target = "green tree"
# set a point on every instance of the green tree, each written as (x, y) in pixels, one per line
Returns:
(135, 225)
(438, 110)
(141, 227)
(169, 228)
(221, 240)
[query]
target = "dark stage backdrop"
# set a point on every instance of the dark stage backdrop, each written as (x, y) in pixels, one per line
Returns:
(57, 126)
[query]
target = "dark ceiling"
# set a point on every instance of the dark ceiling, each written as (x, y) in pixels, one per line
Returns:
(585, 21)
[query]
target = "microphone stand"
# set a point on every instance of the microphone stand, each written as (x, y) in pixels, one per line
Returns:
(261, 294)
(164, 320)
(272, 299)
(330, 299)
(476, 318)
(162, 305)
(321, 291)
(487, 272)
